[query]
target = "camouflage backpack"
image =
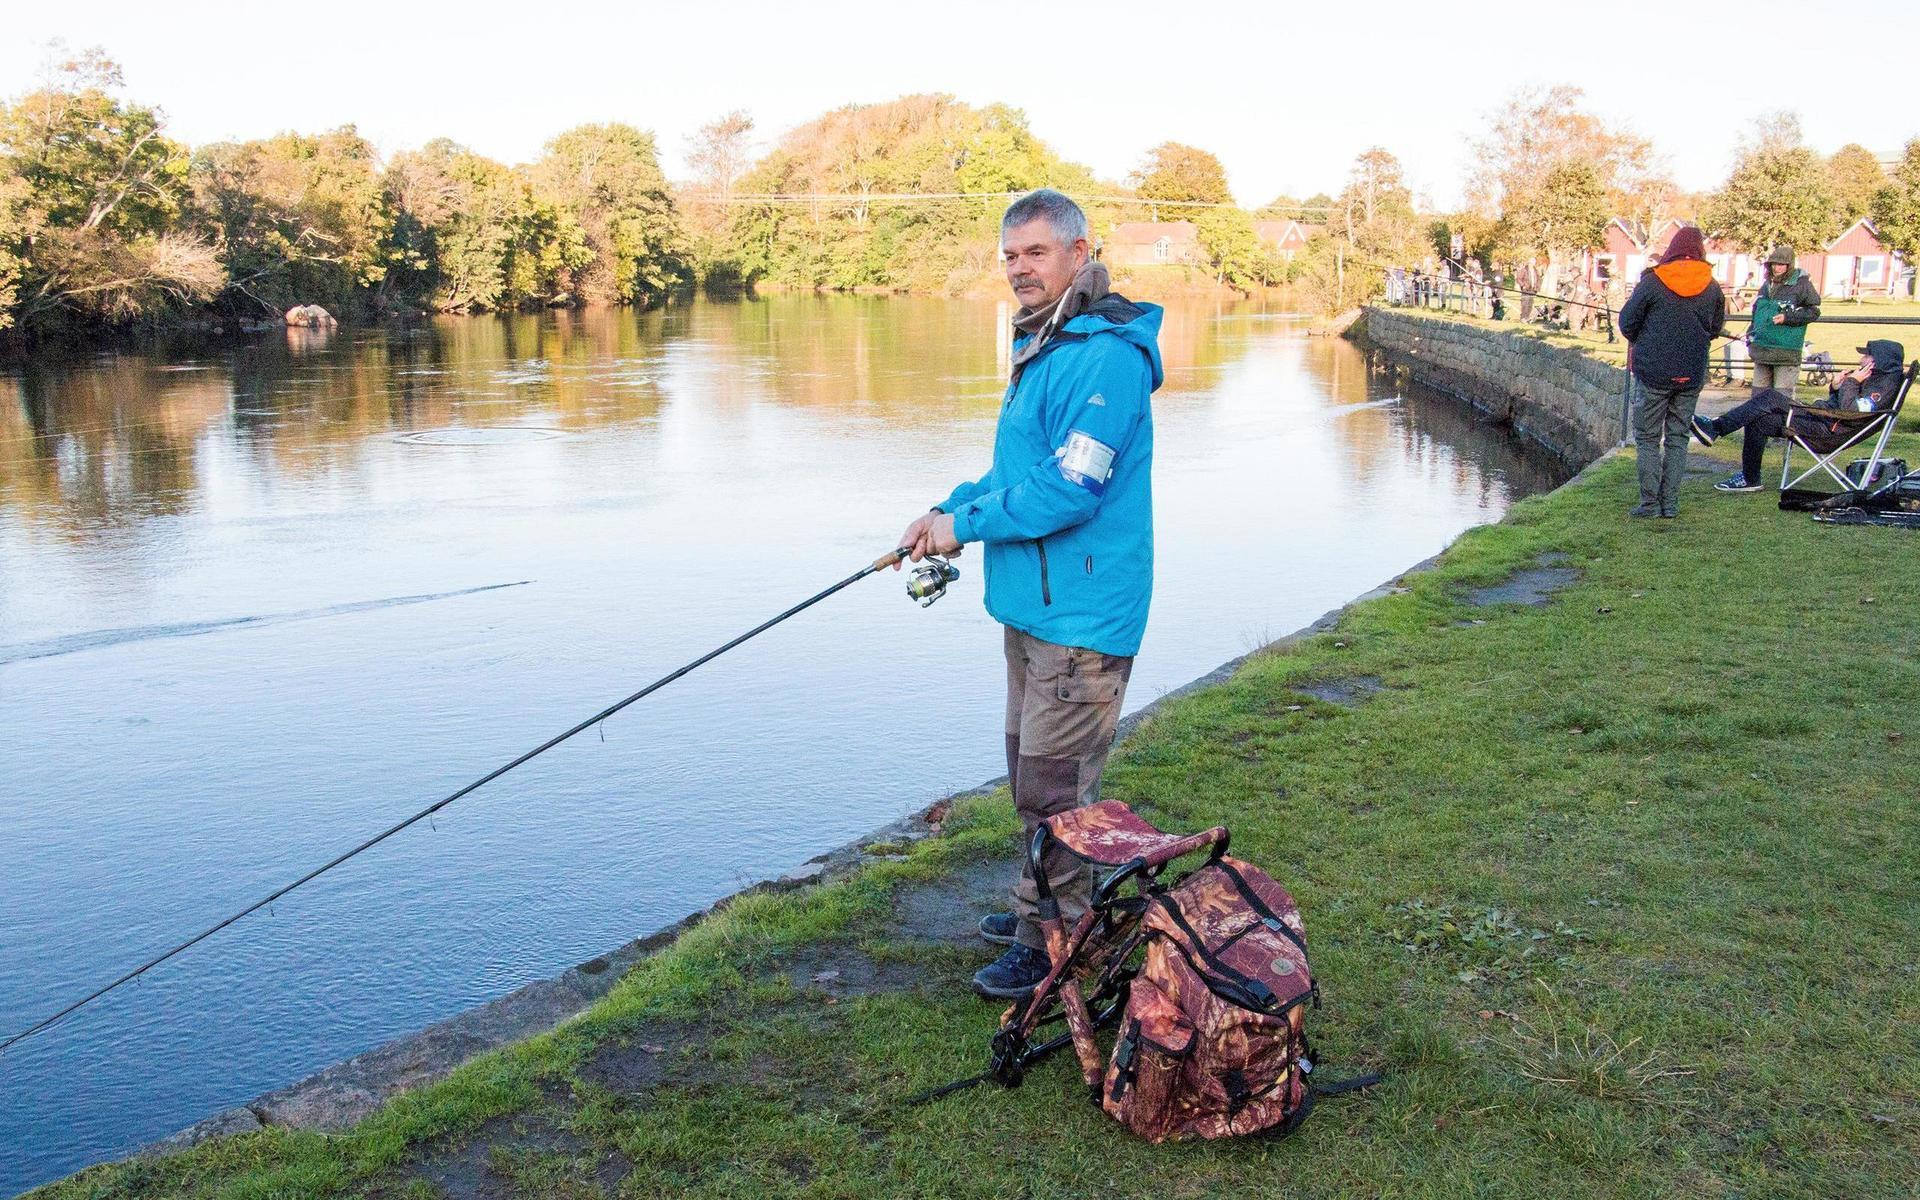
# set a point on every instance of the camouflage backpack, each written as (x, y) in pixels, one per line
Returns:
(1211, 1043)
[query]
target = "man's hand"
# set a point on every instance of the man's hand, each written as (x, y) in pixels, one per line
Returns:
(910, 540)
(937, 537)
(1779, 318)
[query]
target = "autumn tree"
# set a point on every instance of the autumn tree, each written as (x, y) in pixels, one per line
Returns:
(1543, 140)
(607, 180)
(1233, 249)
(1649, 200)
(1780, 192)
(1896, 206)
(18, 224)
(468, 234)
(1175, 172)
(720, 151)
(966, 160)
(1372, 226)
(92, 187)
(297, 219)
(1567, 212)
(1856, 175)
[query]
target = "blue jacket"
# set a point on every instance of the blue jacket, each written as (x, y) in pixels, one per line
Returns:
(1067, 510)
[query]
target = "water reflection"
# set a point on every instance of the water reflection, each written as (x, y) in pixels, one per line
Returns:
(318, 528)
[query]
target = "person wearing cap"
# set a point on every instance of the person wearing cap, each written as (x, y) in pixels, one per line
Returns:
(1670, 321)
(1868, 388)
(1786, 304)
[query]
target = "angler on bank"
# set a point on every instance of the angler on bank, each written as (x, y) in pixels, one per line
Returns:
(1066, 516)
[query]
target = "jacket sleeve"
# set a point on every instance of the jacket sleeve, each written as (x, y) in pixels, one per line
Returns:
(1633, 314)
(1806, 304)
(1718, 325)
(965, 492)
(1094, 403)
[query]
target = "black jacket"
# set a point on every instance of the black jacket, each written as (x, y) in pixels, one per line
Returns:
(1675, 312)
(1881, 387)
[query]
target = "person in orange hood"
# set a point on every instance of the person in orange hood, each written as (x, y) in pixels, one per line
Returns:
(1670, 321)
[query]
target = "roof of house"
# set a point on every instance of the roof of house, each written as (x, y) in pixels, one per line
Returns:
(1146, 233)
(1844, 233)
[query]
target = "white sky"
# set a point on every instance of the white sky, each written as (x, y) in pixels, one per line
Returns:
(1285, 94)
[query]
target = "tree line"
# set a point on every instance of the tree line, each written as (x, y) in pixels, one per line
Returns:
(107, 221)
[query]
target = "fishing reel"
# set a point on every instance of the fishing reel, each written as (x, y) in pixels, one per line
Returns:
(929, 581)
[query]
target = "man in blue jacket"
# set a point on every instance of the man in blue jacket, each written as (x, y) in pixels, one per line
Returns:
(1066, 515)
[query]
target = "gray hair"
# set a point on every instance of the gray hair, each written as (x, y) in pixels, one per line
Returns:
(1061, 214)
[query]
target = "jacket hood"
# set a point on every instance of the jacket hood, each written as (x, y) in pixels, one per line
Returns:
(1687, 242)
(1684, 276)
(1138, 323)
(1887, 354)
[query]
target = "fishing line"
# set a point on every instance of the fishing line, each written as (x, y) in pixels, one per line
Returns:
(927, 584)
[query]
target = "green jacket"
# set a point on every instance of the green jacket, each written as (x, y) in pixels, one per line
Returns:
(1796, 298)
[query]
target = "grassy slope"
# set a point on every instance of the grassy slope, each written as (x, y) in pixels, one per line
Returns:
(1691, 776)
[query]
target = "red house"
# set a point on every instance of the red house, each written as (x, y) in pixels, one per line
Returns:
(1285, 238)
(1152, 243)
(1857, 263)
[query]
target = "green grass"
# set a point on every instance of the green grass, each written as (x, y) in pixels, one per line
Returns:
(1692, 774)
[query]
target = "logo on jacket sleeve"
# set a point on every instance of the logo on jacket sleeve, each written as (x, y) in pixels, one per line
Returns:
(1086, 462)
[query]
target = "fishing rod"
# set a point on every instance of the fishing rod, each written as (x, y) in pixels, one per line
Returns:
(926, 584)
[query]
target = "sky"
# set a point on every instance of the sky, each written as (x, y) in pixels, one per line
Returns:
(1285, 94)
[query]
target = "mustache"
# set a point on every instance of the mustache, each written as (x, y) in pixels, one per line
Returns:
(1020, 281)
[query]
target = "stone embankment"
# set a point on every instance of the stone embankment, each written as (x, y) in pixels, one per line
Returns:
(1563, 399)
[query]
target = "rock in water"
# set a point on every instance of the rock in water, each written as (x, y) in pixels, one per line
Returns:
(310, 316)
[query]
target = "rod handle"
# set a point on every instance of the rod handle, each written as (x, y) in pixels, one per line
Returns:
(889, 558)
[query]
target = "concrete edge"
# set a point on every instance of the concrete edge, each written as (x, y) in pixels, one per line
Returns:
(336, 1098)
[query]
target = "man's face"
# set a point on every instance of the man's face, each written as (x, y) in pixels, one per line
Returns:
(1776, 270)
(1039, 268)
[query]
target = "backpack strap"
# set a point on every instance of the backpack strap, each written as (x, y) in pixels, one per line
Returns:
(1344, 1085)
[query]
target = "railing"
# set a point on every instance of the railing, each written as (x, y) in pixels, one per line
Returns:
(1479, 297)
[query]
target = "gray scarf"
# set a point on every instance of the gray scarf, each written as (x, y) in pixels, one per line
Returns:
(1090, 285)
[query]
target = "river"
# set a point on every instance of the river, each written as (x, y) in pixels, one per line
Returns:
(260, 599)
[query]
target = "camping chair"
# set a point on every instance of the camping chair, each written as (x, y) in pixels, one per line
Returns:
(1087, 985)
(1827, 433)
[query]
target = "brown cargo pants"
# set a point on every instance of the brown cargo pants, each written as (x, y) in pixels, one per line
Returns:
(1063, 704)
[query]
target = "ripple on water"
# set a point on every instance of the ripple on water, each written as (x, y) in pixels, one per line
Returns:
(505, 435)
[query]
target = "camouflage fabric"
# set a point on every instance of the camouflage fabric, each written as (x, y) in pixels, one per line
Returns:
(1212, 1038)
(1109, 834)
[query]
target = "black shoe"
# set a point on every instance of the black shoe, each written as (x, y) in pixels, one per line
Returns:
(1703, 430)
(1013, 975)
(1668, 514)
(1644, 510)
(1736, 483)
(999, 927)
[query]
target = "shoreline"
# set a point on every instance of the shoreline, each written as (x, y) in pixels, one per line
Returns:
(338, 1096)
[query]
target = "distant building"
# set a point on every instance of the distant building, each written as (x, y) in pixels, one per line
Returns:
(1857, 263)
(1285, 238)
(1152, 244)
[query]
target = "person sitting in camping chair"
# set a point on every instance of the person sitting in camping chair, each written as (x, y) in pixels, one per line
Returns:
(1858, 394)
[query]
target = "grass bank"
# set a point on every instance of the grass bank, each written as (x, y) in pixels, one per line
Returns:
(1618, 891)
